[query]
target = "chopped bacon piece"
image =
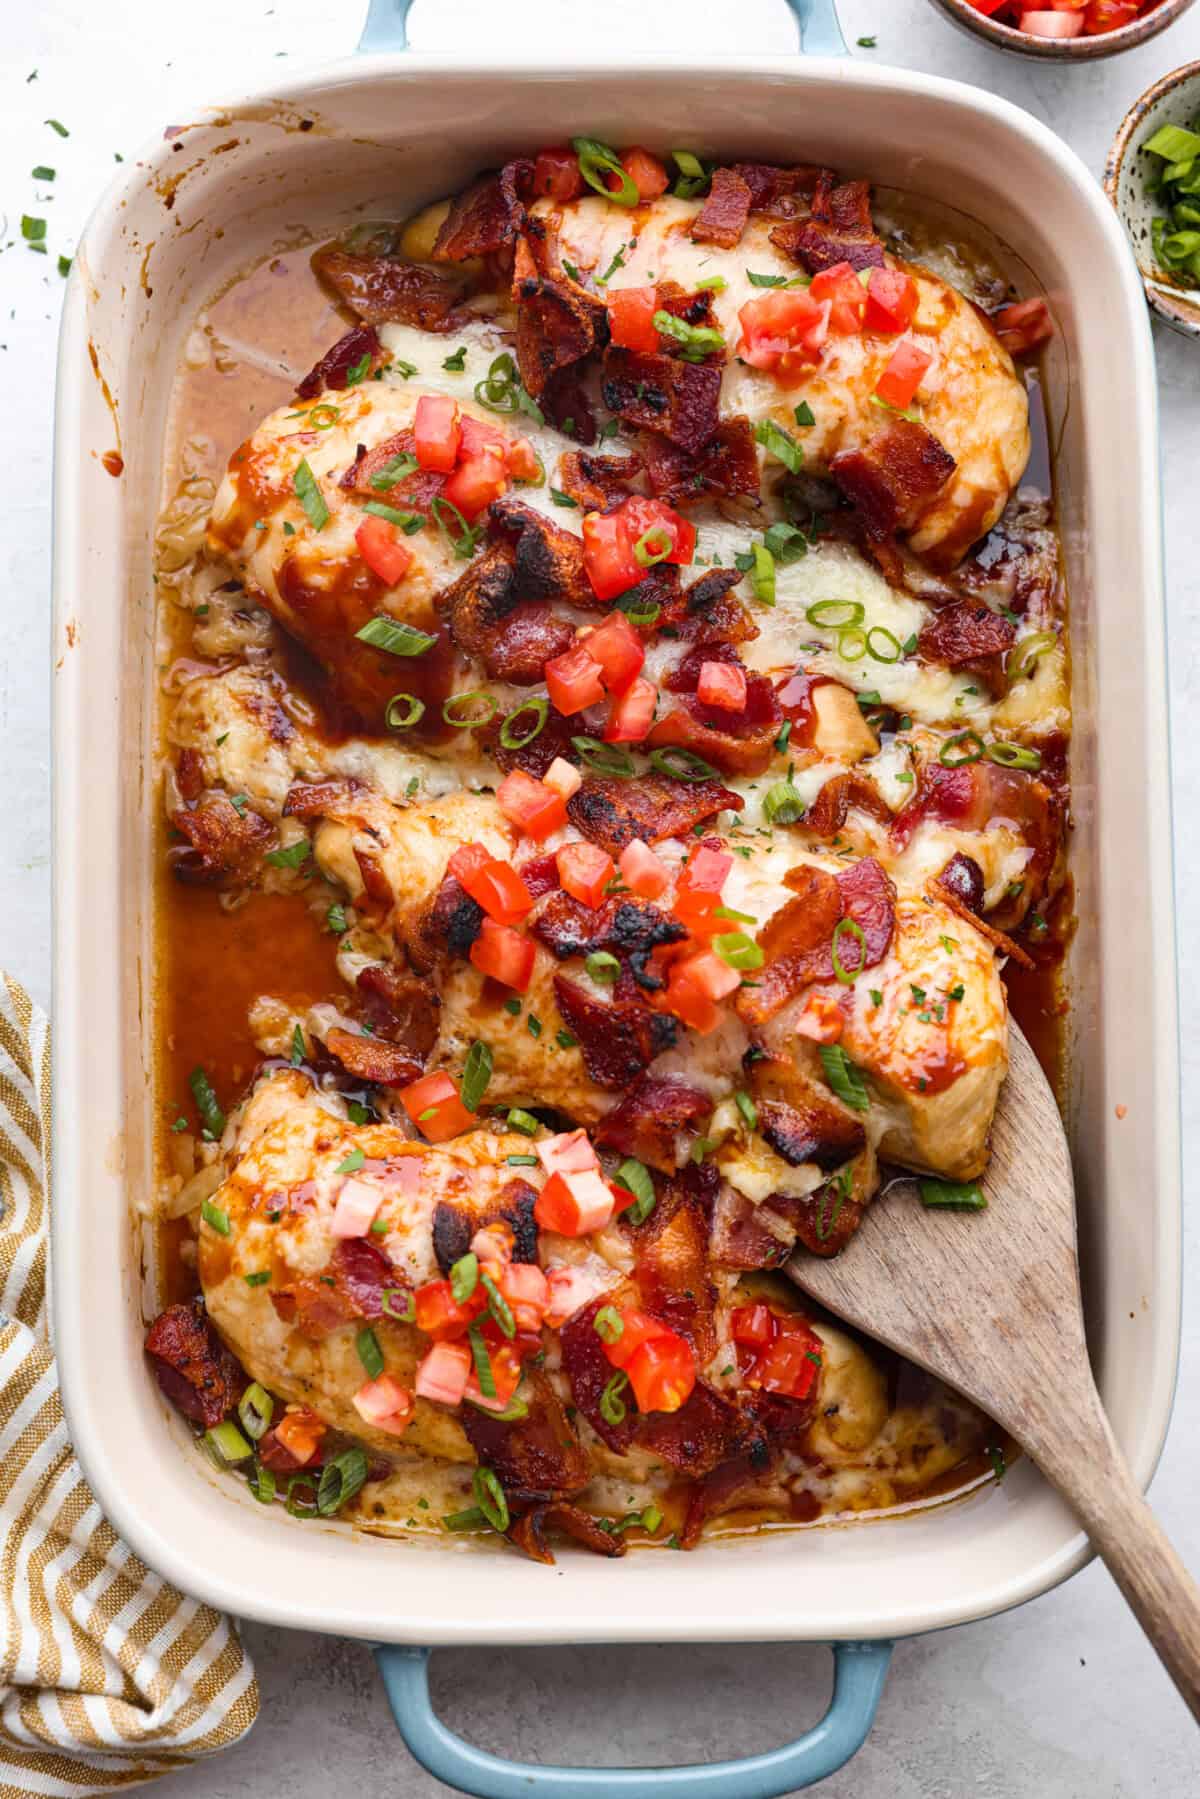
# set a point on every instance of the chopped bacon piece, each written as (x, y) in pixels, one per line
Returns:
(191, 1364)
(972, 796)
(528, 1532)
(593, 482)
(549, 560)
(377, 889)
(618, 1039)
(736, 741)
(840, 229)
(801, 1120)
(399, 1007)
(383, 290)
(486, 218)
(589, 1372)
(514, 639)
(189, 774)
(798, 940)
(453, 920)
(999, 940)
(963, 877)
(413, 492)
(893, 477)
(678, 399)
(705, 1432)
(774, 189)
(1024, 327)
(706, 612)
(350, 1286)
(335, 365)
(612, 812)
(827, 814)
(726, 466)
(652, 1120)
(740, 1235)
(722, 218)
(455, 1223)
(671, 1266)
(535, 1456)
(565, 402)
(969, 635)
(223, 845)
(372, 1060)
(825, 1220)
(363, 1273)
(558, 322)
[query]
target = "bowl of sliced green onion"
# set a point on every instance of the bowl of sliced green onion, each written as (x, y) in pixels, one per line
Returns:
(1153, 180)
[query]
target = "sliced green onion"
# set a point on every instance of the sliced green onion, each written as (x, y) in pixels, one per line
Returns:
(464, 1278)
(787, 543)
(777, 442)
(634, 1176)
(826, 1221)
(323, 417)
(653, 546)
(852, 643)
(405, 1311)
(470, 711)
(261, 1482)
(499, 1307)
(259, 1278)
(602, 967)
(651, 1520)
(352, 1163)
(477, 1072)
(953, 1196)
(712, 284)
(835, 615)
(782, 804)
(1024, 654)
(525, 1122)
(737, 950)
(608, 1324)
(309, 494)
(843, 1076)
(596, 163)
(958, 751)
(396, 638)
(215, 1218)
(211, 1115)
(227, 1443)
(482, 1361)
(458, 361)
(359, 370)
(803, 414)
(697, 341)
(605, 758)
(414, 711)
(747, 1108)
(637, 610)
(306, 1486)
(340, 1481)
(846, 927)
(539, 709)
(470, 1519)
(762, 575)
(489, 1495)
(393, 472)
(516, 1408)
(1014, 755)
(890, 642)
(408, 522)
(464, 542)
(693, 177)
(1173, 143)
(369, 1352)
(681, 764)
(256, 1408)
(612, 1406)
(291, 857)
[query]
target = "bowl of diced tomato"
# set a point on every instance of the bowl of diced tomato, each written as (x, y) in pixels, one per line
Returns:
(1065, 29)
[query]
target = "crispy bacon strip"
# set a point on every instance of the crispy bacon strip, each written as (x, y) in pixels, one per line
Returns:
(738, 743)
(727, 465)
(612, 812)
(706, 612)
(628, 929)
(414, 492)
(618, 1039)
(680, 400)
(840, 228)
(383, 290)
(558, 322)
(740, 1236)
(350, 1286)
(798, 939)
(825, 1220)
(485, 219)
(1005, 945)
(371, 1059)
(398, 1007)
(528, 1532)
(801, 1121)
(565, 402)
(535, 1457)
(548, 562)
(894, 476)
(363, 1273)
(594, 481)
(969, 635)
(589, 1372)
(513, 640)
(722, 218)
(191, 1364)
(827, 814)
(223, 845)
(774, 189)
(671, 1266)
(455, 1223)
(706, 1431)
(335, 365)
(453, 920)
(652, 1119)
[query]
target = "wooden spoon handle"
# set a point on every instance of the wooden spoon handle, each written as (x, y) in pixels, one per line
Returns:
(1094, 1477)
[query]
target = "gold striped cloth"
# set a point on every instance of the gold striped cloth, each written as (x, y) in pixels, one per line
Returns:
(108, 1676)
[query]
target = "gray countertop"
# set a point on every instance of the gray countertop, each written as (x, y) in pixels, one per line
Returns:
(1060, 1700)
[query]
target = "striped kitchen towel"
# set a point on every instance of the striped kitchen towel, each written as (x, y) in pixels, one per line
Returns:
(108, 1676)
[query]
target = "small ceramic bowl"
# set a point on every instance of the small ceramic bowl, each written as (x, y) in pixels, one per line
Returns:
(1175, 100)
(1065, 49)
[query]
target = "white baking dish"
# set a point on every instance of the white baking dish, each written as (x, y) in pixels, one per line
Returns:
(388, 132)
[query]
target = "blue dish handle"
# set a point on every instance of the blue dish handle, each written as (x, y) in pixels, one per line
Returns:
(820, 34)
(859, 1671)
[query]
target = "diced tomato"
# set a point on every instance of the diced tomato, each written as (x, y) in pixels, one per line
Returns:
(533, 807)
(505, 1360)
(645, 171)
(988, 7)
(437, 433)
(643, 872)
(574, 681)
(790, 1363)
(570, 1152)
(479, 438)
(523, 464)
(435, 1108)
(564, 777)
(708, 972)
(663, 1374)
(492, 884)
(722, 684)
(819, 1019)
(355, 1209)
(698, 890)
(440, 1315)
(636, 1328)
(783, 330)
(300, 1431)
(585, 871)
(574, 1204)
(380, 547)
(686, 1000)
(528, 1293)
(616, 646)
(385, 1404)
(556, 173)
(476, 482)
(904, 374)
(610, 540)
(504, 954)
(707, 869)
(1024, 326)
(632, 713)
(1110, 15)
(631, 313)
(840, 285)
(1052, 24)
(571, 1289)
(752, 1324)
(891, 301)
(442, 1374)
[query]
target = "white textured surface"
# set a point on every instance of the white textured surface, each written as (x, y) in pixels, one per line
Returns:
(1061, 1700)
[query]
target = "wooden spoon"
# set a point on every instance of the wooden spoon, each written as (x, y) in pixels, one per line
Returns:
(989, 1301)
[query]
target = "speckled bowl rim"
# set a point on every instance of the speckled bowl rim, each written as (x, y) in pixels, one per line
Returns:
(1182, 314)
(1071, 49)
